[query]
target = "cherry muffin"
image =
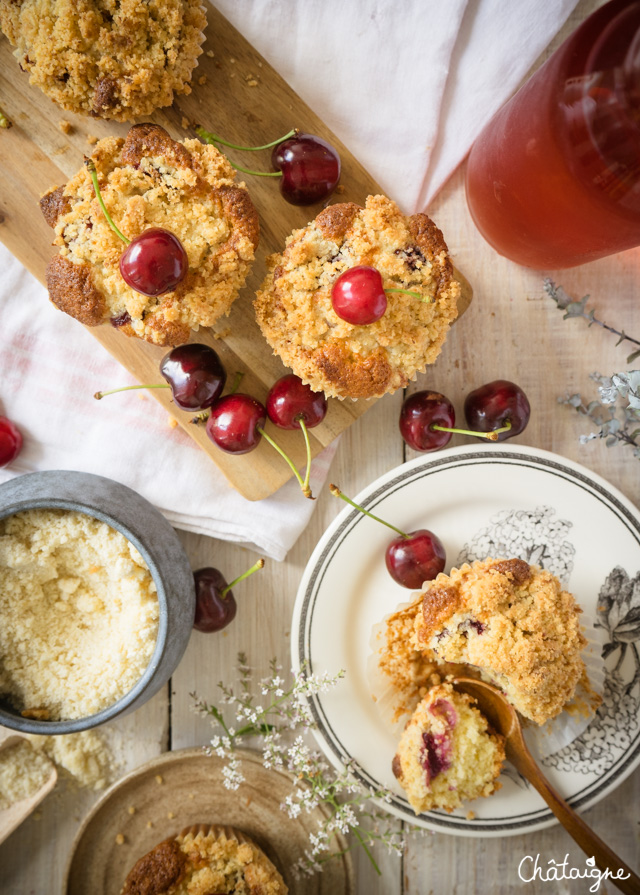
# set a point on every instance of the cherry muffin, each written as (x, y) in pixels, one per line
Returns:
(114, 59)
(203, 860)
(150, 181)
(515, 623)
(447, 754)
(347, 360)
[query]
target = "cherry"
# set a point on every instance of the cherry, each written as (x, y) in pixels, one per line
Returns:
(419, 413)
(154, 262)
(236, 423)
(194, 374)
(498, 403)
(358, 296)
(412, 558)
(427, 421)
(415, 558)
(215, 604)
(310, 169)
(10, 441)
(308, 166)
(291, 404)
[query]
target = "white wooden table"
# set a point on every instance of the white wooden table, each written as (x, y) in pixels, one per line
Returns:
(511, 331)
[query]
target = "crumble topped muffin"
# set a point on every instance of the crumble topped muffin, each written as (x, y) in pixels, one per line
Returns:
(341, 359)
(115, 59)
(203, 860)
(515, 623)
(149, 180)
(447, 753)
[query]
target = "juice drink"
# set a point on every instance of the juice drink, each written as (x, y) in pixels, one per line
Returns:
(554, 179)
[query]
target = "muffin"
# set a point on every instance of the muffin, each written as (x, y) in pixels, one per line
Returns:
(344, 360)
(149, 180)
(447, 754)
(114, 59)
(515, 623)
(203, 860)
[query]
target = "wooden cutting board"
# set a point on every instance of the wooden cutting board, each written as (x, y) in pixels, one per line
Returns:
(237, 95)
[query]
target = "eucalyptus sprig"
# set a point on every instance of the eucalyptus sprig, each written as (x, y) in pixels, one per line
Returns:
(282, 712)
(617, 414)
(579, 309)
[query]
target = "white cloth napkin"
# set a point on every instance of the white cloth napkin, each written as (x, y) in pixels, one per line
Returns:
(407, 85)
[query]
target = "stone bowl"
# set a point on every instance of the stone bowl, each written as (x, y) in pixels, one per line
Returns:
(151, 534)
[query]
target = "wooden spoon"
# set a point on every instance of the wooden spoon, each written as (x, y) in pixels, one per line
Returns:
(13, 816)
(504, 719)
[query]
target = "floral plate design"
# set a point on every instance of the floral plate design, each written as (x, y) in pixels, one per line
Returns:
(480, 501)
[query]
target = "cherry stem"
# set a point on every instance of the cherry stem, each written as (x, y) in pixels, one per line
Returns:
(338, 493)
(208, 137)
(254, 568)
(305, 432)
(306, 490)
(490, 436)
(236, 382)
(256, 173)
(422, 298)
(4, 121)
(127, 388)
(91, 168)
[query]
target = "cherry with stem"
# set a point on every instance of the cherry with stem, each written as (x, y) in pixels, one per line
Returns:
(215, 603)
(413, 557)
(10, 441)
(427, 421)
(153, 263)
(359, 297)
(308, 166)
(499, 403)
(236, 425)
(194, 373)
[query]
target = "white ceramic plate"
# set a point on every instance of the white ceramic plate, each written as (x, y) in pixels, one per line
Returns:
(481, 501)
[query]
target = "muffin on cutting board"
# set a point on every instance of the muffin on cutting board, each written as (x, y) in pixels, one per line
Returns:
(345, 360)
(116, 59)
(150, 181)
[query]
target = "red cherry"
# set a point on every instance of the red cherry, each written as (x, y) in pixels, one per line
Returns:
(290, 400)
(310, 169)
(195, 374)
(416, 558)
(154, 262)
(497, 404)
(358, 297)
(419, 413)
(10, 441)
(234, 422)
(213, 610)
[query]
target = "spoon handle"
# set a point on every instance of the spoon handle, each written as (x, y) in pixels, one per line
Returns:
(588, 841)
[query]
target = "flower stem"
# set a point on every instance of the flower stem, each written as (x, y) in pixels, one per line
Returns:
(128, 388)
(367, 850)
(93, 174)
(208, 137)
(303, 484)
(338, 493)
(490, 436)
(254, 568)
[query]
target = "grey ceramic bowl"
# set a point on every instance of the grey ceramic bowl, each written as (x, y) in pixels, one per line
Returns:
(153, 536)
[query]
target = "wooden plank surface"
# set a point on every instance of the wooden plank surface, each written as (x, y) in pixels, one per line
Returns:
(35, 155)
(511, 330)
